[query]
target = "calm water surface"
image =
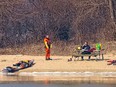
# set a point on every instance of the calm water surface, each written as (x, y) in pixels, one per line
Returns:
(53, 85)
(33, 79)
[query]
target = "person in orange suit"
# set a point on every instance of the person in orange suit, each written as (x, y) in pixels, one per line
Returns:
(48, 46)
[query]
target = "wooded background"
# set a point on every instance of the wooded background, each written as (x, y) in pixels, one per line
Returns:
(24, 22)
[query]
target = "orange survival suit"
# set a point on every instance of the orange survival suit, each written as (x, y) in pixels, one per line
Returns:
(47, 47)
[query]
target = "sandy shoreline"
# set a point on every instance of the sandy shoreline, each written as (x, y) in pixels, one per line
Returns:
(59, 63)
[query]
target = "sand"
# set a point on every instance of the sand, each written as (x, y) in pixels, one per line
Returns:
(59, 63)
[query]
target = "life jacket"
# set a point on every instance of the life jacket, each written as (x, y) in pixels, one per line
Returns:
(98, 46)
(47, 40)
(26, 61)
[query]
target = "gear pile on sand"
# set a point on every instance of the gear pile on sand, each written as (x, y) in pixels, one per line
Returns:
(18, 66)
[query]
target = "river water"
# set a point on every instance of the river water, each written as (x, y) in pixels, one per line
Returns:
(58, 79)
(54, 85)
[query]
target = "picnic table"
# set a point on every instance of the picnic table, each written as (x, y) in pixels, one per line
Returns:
(98, 54)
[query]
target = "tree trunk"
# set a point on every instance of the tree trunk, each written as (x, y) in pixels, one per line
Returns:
(111, 10)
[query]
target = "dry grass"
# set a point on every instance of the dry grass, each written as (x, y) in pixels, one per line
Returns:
(60, 48)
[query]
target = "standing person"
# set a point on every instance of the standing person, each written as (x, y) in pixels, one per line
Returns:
(48, 46)
(86, 49)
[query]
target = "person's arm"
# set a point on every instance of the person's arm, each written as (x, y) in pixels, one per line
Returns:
(83, 47)
(88, 48)
(46, 44)
(50, 45)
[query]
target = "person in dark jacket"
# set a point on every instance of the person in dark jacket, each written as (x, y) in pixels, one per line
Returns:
(86, 50)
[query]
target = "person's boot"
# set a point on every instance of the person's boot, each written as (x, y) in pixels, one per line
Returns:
(88, 59)
(49, 59)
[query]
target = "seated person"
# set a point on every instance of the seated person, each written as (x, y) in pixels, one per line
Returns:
(86, 49)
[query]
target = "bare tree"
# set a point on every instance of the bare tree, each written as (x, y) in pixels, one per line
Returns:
(28, 21)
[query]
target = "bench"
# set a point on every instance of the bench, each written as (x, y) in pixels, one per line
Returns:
(98, 54)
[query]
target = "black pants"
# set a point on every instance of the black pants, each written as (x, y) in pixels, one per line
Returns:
(86, 52)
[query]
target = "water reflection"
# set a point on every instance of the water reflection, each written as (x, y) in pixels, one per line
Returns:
(56, 79)
(60, 77)
(54, 85)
